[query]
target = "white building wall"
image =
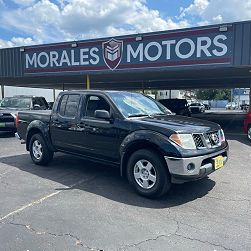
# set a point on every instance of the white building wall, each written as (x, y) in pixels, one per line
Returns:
(10, 91)
(166, 94)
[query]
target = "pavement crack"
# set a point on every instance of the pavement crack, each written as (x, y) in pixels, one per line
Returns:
(77, 240)
(201, 241)
(176, 233)
(196, 239)
(142, 242)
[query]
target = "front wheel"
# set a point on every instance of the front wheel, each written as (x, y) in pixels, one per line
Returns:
(148, 173)
(39, 151)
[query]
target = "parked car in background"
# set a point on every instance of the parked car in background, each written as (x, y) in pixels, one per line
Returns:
(197, 107)
(152, 147)
(10, 106)
(231, 106)
(178, 106)
(207, 105)
(247, 125)
(244, 107)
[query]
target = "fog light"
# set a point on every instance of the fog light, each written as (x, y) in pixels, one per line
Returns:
(190, 167)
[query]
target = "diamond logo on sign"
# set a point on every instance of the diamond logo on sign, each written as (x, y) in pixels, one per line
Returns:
(112, 53)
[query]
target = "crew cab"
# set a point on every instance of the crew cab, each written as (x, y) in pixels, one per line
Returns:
(152, 147)
(10, 106)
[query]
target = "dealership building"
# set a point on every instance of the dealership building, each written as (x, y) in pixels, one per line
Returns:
(216, 56)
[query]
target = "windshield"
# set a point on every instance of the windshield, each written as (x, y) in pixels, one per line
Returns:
(136, 105)
(16, 103)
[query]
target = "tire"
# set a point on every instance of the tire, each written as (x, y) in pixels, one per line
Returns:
(142, 167)
(249, 132)
(39, 151)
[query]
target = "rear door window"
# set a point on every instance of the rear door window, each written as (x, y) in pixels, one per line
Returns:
(69, 105)
(71, 108)
(63, 102)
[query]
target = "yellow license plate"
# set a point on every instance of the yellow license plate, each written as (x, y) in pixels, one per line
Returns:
(218, 162)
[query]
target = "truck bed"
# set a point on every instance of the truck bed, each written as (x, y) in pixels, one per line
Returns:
(26, 117)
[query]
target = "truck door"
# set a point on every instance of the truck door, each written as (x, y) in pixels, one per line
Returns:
(63, 123)
(99, 137)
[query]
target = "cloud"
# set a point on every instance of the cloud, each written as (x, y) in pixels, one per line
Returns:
(218, 11)
(17, 41)
(53, 21)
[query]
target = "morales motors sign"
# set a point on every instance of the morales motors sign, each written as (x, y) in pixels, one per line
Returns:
(165, 49)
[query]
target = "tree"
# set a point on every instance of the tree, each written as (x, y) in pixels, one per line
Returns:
(213, 94)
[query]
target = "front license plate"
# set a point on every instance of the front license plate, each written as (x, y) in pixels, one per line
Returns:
(218, 162)
(2, 124)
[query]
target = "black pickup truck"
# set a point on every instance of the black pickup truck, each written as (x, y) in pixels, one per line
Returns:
(153, 147)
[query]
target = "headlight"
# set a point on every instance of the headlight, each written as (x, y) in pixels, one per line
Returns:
(184, 140)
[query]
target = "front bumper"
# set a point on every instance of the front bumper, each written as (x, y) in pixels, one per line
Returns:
(203, 165)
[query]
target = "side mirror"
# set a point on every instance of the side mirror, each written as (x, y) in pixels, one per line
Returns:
(37, 107)
(102, 114)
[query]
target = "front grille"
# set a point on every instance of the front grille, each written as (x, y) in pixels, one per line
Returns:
(198, 140)
(213, 138)
(207, 140)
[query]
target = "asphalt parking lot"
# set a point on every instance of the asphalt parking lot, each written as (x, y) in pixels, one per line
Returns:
(73, 204)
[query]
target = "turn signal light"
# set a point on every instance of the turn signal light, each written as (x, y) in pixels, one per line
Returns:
(175, 138)
(17, 120)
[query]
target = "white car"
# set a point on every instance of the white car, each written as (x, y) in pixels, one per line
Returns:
(197, 107)
(231, 106)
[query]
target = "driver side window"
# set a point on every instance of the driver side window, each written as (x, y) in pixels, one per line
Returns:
(95, 103)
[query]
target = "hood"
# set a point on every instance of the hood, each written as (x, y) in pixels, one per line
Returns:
(10, 110)
(179, 124)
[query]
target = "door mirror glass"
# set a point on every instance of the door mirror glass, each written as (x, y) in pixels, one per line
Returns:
(102, 114)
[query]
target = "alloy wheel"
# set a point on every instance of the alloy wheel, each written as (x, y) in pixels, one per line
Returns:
(145, 174)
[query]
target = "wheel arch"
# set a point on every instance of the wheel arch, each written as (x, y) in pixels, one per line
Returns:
(38, 127)
(144, 139)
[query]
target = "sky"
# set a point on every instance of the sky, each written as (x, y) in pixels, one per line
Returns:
(28, 22)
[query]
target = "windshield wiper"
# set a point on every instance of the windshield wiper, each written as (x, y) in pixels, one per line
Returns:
(138, 115)
(158, 113)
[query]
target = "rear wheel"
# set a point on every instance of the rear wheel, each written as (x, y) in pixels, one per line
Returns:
(39, 151)
(148, 173)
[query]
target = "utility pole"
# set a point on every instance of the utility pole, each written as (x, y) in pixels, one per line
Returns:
(2, 91)
(54, 94)
(231, 99)
(88, 82)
